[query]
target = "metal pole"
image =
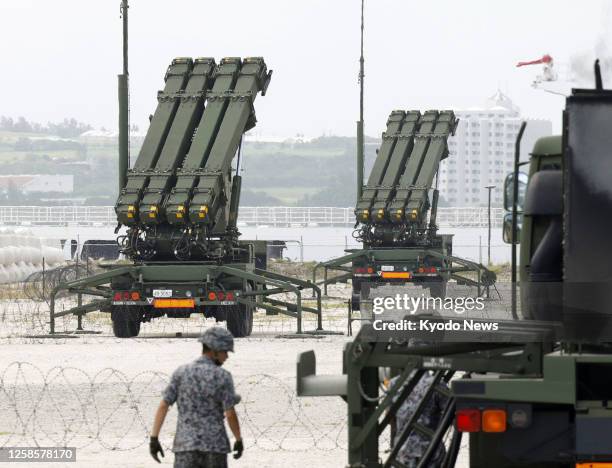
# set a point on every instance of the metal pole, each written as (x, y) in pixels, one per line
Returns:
(80, 315)
(124, 104)
(517, 157)
(52, 314)
(43, 279)
(489, 188)
(299, 312)
(360, 152)
(301, 249)
(78, 254)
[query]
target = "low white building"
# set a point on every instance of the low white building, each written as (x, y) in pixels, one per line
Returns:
(482, 151)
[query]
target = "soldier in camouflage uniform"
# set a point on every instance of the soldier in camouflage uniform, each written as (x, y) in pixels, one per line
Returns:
(204, 393)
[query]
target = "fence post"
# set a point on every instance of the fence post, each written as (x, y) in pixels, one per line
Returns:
(301, 249)
(43, 279)
(80, 315)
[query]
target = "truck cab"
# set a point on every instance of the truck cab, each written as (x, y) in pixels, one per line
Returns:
(539, 209)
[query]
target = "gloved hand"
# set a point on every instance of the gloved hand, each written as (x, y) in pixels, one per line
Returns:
(238, 449)
(155, 448)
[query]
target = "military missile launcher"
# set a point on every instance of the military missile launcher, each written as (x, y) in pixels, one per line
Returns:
(396, 214)
(181, 198)
(535, 392)
(179, 205)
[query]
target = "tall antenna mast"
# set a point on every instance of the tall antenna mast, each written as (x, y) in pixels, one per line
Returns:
(124, 104)
(360, 152)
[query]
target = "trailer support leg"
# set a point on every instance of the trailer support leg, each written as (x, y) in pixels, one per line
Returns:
(79, 316)
(52, 314)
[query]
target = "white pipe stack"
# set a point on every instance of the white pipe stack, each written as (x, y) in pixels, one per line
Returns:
(21, 254)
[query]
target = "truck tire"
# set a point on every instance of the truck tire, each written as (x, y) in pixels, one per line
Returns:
(237, 321)
(438, 289)
(126, 324)
(134, 326)
(248, 314)
(120, 327)
(356, 295)
(248, 311)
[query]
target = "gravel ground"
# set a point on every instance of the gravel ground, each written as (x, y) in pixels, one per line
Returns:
(99, 393)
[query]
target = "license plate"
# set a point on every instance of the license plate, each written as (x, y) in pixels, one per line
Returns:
(174, 303)
(162, 293)
(387, 268)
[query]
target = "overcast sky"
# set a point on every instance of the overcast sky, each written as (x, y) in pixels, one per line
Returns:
(60, 58)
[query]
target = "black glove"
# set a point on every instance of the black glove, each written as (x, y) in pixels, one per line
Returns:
(155, 448)
(238, 449)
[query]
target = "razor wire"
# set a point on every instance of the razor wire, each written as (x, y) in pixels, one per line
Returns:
(39, 285)
(25, 320)
(68, 406)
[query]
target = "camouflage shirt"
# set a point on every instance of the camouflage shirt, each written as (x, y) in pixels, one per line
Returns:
(203, 392)
(416, 443)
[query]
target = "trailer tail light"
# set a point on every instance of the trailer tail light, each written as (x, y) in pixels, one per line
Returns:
(212, 296)
(126, 295)
(594, 465)
(221, 295)
(468, 420)
(396, 274)
(494, 420)
(174, 303)
(135, 295)
(229, 296)
(364, 270)
(117, 296)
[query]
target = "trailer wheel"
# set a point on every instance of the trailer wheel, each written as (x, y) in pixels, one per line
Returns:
(438, 289)
(356, 294)
(248, 311)
(126, 324)
(237, 321)
(248, 315)
(134, 326)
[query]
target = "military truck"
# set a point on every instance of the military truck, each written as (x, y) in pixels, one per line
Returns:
(179, 205)
(535, 393)
(396, 214)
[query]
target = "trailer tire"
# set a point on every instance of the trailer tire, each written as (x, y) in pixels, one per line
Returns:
(248, 310)
(248, 313)
(356, 294)
(237, 321)
(120, 327)
(125, 323)
(134, 326)
(438, 289)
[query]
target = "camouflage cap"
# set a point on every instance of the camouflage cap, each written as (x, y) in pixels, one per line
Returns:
(217, 339)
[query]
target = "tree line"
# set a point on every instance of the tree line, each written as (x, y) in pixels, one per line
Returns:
(68, 128)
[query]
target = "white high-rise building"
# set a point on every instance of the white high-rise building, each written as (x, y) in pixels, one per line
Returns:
(482, 151)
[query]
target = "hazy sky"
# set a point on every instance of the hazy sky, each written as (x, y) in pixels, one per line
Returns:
(61, 57)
